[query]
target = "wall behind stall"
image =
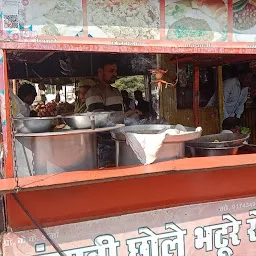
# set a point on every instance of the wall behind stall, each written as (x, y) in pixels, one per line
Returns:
(208, 117)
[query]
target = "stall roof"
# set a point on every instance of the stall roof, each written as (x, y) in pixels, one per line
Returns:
(28, 56)
(207, 60)
(27, 64)
(45, 64)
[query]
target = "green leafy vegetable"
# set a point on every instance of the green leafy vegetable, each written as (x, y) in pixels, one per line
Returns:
(245, 130)
(182, 32)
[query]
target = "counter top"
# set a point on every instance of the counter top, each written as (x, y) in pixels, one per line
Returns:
(71, 197)
(67, 179)
(68, 132)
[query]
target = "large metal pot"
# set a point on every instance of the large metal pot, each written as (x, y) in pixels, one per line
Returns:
(54, 154)
(118, 134)
(173, 146)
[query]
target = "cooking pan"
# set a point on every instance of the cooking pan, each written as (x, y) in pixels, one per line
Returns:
(225, 140)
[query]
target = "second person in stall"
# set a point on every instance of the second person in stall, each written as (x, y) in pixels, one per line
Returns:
(104, 97)
(21, 103)
(83, 88)
(235, 92)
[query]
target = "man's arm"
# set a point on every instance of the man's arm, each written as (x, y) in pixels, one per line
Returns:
(240, 108)
(228, 86)
(94, 101)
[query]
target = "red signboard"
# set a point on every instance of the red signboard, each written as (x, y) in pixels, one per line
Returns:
(183, 26)
(214, 229)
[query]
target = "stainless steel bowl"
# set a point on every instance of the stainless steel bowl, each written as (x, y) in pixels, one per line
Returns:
(34, 124)
(197, 152)
(83, 121)
(219, 140)
(107, 119)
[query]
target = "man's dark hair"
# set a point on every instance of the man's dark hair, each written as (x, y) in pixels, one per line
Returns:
(25, 90)
(138, 92)
(230, 123)
(108, 60)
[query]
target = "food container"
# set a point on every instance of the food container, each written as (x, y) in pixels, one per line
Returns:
(217, 144)
(56, 152)
(80, 121)
(34, 124)
(108, 119)
(173, 146)
(198, 152)
(83, 121)
(38, 155)
(225, 140)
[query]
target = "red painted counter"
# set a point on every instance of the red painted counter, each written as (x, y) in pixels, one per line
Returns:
(85, 195)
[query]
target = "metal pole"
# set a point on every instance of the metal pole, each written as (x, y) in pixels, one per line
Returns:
(196, 96)
(148, 91)
(150, 94)
(6, 117)
(14, 86)
(220, 96)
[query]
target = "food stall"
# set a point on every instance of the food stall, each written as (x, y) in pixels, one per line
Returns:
(185, 206)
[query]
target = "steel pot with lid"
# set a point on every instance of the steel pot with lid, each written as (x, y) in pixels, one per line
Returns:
(173, 146)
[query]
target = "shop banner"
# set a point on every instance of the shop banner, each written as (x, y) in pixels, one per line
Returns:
(224, 228)
(140, 26)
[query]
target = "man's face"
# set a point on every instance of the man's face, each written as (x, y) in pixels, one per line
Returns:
(137, 96)
(29, 99)
(82, 93)
(109, 73)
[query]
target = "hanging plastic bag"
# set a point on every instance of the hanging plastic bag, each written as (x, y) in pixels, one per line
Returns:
(19, 108)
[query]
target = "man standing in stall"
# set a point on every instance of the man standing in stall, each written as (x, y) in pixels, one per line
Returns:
(104, 97)
(235, 94)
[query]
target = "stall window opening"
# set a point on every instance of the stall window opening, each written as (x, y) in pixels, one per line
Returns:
(54, 145)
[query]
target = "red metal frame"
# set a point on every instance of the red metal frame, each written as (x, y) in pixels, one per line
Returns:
(26, 39)
(174, 48)
(101, 193)
(6, 116)
(105, 198)
(71, 178)
(196, 95)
